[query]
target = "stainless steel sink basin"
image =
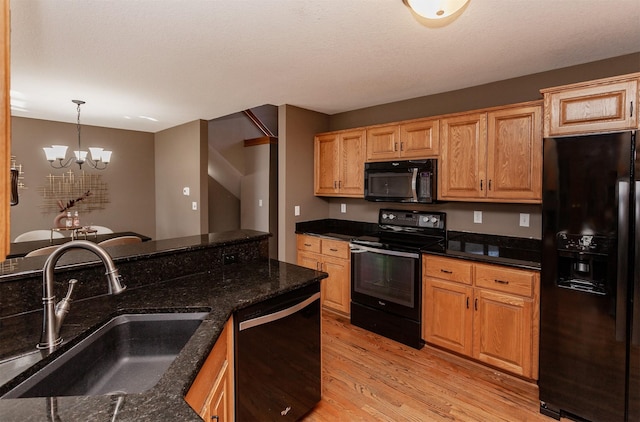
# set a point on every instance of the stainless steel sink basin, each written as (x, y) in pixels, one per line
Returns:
(128, 354)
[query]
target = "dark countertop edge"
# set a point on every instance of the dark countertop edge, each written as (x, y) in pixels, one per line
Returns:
(152, 248)
(181, 374)
(332, 225)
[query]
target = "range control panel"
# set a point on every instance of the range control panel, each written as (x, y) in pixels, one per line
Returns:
(418, 219)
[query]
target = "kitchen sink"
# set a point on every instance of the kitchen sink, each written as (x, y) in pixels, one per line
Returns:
(128, 354)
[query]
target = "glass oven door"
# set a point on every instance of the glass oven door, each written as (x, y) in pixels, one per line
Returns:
(386, 279)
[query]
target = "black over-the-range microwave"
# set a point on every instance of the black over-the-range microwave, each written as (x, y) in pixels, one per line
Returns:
(401, 181)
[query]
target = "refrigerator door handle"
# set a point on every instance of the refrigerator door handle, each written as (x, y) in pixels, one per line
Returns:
(623, 245)
(635, 321)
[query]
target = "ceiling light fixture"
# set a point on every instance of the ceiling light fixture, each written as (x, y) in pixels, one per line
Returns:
(435, 9)
(98, 160)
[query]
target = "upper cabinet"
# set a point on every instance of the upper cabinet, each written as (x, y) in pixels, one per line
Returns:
(339, 163)
(492, 157)
(404, 141)
(603, 105)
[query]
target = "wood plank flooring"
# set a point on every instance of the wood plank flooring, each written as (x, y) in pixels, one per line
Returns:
(367, 377)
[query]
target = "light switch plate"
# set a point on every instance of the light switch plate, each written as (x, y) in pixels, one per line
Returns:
(343, 208)
(259, 202)
(524, 220)
(296, 210)
(477, 217)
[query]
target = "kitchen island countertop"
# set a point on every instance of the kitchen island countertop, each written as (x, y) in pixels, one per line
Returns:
(220, 292)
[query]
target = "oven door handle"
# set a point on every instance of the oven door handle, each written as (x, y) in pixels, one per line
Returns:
(363, 249)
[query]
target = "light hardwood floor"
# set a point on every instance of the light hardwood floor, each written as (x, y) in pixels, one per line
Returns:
(367, 377)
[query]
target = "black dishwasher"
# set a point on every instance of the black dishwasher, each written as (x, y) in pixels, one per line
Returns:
(277, 357)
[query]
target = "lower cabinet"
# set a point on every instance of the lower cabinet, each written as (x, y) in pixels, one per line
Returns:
(487, 312)
(211, 394)
(334, 258)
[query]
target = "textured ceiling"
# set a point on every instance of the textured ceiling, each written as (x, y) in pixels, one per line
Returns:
(181, 60)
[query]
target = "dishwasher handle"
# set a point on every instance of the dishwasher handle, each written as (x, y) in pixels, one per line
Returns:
(265, 319)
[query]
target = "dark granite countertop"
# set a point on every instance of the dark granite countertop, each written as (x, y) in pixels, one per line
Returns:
(220, 291)
(511, 251)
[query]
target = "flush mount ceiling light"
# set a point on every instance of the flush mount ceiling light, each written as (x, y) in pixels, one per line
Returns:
(57, 153)
(435, 9)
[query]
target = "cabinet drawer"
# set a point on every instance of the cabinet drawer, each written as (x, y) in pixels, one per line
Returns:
(506, 280)
(308, 243)
(448, 269)
(336, 248)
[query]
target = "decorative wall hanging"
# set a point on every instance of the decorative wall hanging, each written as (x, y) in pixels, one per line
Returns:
(85, 192)
(17, 177)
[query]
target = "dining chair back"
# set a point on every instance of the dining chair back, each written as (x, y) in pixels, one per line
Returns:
(38, 235)
(42, 251)
(121, 240)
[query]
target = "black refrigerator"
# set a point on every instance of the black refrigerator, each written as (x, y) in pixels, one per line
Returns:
(590, 278)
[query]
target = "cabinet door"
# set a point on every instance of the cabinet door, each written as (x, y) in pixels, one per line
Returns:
(602, 106)
(326, 166)
(447, 317)
(219, 409)
(463, 143)
(502, 331)
(336, 289)
(309, 260)
(514, 154)
(383, 143)
(352, 152)
(420, 139)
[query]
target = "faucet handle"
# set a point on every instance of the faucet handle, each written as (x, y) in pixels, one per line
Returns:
(65, 304)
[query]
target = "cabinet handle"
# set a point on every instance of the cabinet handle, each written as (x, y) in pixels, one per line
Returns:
(339, 184)
(395, 146)
(480, 184)
(308, 245)
(446, 271)
(335, 184)
(401, 146)
(475, 304)
(467, 302)
(501, 281)
(333, 249)
(631, 111)
(489, 184)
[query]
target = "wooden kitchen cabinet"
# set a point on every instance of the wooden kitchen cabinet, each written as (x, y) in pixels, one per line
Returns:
(487, 312)
(602, 105)
(414, 139)
(334, 258)
(493, 156)
(211, 394)
(339, 163)
(5, 129)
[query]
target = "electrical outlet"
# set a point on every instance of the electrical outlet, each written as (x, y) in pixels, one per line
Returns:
(259, 202)
(194, 206)
(343, 208)
(296, 210)
(186, 191)
(524, 220)
(477, 217)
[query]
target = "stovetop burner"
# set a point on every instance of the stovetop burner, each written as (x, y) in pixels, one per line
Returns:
(408, 230)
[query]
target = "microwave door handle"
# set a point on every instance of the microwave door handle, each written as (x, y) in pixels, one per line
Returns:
(414, 184)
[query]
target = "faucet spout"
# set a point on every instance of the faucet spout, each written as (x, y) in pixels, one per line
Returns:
(54, 314)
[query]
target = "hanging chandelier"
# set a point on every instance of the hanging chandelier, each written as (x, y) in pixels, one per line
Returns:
(56, 154)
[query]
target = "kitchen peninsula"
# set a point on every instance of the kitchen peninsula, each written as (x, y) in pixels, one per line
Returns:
(218, 273)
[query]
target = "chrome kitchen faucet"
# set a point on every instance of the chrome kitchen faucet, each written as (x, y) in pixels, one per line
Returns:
(54, 314)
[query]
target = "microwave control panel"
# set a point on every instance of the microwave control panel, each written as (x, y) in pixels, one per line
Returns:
(417, 219)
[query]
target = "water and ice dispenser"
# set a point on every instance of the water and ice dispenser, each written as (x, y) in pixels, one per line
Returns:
(584, 261)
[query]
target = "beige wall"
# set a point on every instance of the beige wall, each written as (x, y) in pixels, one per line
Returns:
(296, 128)
(129, 177)
(181, 161)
